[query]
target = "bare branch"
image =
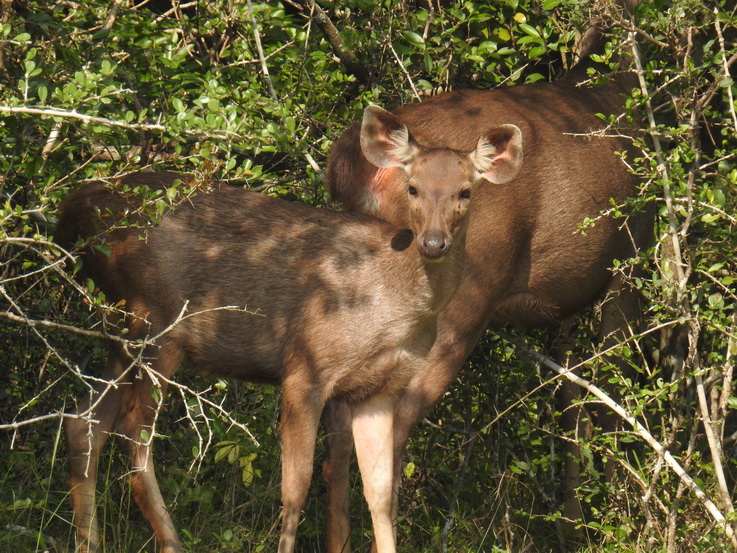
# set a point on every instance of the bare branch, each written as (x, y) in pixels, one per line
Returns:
(264, 67)
(92, 119)
(346, 57)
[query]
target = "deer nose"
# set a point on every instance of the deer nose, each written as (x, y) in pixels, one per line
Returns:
(434, 244)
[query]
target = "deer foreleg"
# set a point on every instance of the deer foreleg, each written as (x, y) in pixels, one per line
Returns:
(86, 436)
(374, 438)
(301, 409)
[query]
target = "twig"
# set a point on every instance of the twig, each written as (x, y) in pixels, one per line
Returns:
(711, 438)
(404, 70)
(71, 114)
(725, 65)
(92, 119)
(177, 8)
(6, 6)
(346, 57)
(110, 21)
(509, 338)
(677, 261)
(264, 67)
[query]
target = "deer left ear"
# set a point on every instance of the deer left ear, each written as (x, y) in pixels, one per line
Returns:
(498, 154)
(385, 140)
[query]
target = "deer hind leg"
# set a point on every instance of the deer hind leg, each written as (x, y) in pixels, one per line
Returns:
(620, 318)
(619, 312)
(86, 436)
(302, 405)
(138, 410)
(373, 433)
(336, 472)
(573, 422)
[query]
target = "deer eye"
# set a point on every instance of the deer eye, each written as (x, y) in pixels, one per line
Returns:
(412, 190)
(465, 193)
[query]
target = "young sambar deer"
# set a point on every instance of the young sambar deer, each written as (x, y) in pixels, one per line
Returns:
(348, 306)
(528, 262)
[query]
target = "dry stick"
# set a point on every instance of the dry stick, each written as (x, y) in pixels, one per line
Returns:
(675, 505)
(645, 435)
(332, 35)
(264, 67)
(5, 8)
(404, 70)
(71, 114)
(672, 225)
(174, 9)
(714, 443)
(136, 360)
(725, 65)
(694, 330)
(92, 119)
(112, 15)
(608, 351)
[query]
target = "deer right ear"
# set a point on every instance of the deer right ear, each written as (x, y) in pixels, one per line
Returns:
(498, 154)
(385, 140)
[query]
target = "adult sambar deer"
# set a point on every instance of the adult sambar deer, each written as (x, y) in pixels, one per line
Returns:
(527, 261)
(348, 307)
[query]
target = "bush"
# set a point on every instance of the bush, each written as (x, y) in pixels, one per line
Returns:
(254, 93)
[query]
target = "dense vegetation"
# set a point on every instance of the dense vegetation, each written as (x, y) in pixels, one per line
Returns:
(254, 93)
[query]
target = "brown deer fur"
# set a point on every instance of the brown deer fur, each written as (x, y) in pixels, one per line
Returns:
(346, 309)
(527, 261)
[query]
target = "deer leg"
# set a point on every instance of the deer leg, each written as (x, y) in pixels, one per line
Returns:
(373, 434)
(427, 388)
(300, 419)
(618, 313)
(138, 410)
(85, 440)
(618, 316)
(572, 419)
(336, 471)
(415, 402)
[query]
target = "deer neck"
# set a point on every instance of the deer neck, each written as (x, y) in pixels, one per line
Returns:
(444, 277)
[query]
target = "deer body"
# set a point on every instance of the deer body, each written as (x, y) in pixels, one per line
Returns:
(528, 261)
(537, 266)
(346, 308)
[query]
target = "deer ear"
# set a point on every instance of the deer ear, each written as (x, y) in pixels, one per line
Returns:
(385, 140)
(498, 154)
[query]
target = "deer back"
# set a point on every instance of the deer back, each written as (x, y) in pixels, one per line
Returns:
(264, 280)
(525, 239)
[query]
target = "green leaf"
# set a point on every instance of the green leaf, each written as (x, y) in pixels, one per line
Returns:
(413, 38)
(529, 29)
(502, 34)
(549, 5)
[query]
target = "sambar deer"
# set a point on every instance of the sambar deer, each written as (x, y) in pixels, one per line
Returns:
(528, 262)
(348, 307)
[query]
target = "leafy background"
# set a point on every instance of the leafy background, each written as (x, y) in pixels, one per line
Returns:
(254, 93)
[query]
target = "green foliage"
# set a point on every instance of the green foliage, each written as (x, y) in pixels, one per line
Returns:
(96, 89)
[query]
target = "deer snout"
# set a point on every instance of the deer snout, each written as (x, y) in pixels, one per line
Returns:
(434, 245)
